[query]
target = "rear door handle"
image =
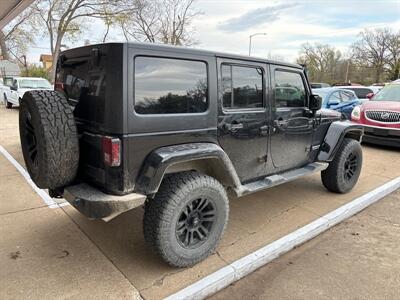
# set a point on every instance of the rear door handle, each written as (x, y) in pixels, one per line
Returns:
(234, 127)
(264, 130)
(280, 123)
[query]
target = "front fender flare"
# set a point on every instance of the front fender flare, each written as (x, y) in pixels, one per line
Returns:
(334, 138)
(158, 161)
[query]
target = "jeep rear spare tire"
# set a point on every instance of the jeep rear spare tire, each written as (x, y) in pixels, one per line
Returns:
(185, 221)
(49, 138)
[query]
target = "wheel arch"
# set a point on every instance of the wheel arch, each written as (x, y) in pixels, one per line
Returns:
(207, 158)
(334, 137)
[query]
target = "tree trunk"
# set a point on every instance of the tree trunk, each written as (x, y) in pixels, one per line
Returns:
(378, 74)
(56, 53)
(3, 46)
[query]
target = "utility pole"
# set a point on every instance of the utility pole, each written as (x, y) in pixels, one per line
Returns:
(251, 36)
(347, 70)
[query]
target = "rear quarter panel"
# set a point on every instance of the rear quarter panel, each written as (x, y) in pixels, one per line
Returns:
(149, 132)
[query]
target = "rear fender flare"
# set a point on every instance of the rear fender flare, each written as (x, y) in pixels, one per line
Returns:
(334, 138)
(162, 159)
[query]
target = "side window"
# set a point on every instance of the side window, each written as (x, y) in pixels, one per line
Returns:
(170, 86)
(336, 96)
(347, 96)
(242, 87)
(289, 89)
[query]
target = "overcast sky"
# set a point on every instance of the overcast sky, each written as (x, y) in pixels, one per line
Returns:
(226, 25)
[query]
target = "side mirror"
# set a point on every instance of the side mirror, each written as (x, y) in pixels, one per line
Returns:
(370, 95)
(315, 103)
(333, 102)
(13, 88)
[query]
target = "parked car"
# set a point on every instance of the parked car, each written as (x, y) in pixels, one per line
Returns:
(1, 90)
(362, 92)
(319, 85)
(337, 99)
(176, 128)
(5, 89)
(20, 85)
(381, 116)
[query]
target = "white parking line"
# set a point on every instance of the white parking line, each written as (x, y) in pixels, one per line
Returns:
(45, 197)
(243, 266)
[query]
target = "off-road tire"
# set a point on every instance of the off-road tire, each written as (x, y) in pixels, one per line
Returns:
(162, 213)
(334, 177)
(47, 125)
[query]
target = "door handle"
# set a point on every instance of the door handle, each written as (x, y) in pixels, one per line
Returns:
(280, 123)
(264, 130)
(234, 126)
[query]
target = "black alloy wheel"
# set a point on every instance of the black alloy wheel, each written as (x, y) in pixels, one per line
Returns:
(195, 222)
(350, 166)
(30, 138)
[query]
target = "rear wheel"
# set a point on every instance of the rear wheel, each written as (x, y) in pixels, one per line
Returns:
(186, 220)
(343, 172)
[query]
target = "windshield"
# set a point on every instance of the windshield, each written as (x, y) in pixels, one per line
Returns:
(34, 84)
(388, 93)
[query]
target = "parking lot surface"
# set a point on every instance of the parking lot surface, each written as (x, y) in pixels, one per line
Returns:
(358, 259)
(60, 253)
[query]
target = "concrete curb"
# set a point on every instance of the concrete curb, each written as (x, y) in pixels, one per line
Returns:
(243, 266)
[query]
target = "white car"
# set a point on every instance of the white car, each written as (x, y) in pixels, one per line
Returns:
(21, 85)
(1, 90)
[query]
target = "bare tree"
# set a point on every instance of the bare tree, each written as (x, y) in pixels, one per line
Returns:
(164, 21)
(321, 60)
(18, 36)
(64, 19)
(371, 50)
(393, 60)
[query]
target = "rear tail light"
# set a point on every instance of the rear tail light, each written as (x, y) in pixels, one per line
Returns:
(59, 86)
(111, 151)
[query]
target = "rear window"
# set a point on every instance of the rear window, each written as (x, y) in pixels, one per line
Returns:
(85, 88)
(360, 93)
(80, 81)
(170, 86)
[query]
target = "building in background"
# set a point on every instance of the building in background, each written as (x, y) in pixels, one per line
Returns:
(47, 61)
(8, 68)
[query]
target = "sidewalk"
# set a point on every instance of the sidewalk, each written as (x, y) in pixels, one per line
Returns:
(358, 259)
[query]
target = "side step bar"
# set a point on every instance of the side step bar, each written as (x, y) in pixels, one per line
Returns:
(278, 179)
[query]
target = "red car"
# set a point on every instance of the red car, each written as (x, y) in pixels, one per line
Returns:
(381, 116)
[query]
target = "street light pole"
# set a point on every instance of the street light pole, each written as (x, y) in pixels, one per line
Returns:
(250, 37)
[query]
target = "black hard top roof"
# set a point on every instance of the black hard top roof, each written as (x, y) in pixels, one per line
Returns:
(181, 49)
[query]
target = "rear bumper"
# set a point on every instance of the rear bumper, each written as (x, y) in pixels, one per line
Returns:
(95, 204)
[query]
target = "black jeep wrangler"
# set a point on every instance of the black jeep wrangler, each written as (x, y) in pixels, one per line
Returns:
(176, 129)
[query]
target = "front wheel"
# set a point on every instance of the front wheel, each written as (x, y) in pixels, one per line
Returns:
(186, 219)
(344, 170)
